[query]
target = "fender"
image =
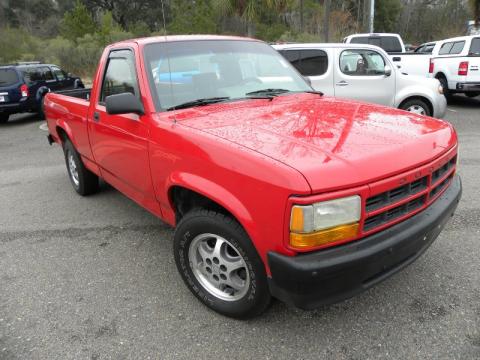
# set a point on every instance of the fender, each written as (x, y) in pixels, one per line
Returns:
(216, 193)
(61, 123)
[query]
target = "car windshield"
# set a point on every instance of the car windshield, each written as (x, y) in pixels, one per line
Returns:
(184, 72)
(8, 77)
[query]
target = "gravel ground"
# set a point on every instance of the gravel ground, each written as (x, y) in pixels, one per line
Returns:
(94, 278)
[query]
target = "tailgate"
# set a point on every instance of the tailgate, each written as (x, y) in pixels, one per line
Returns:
(474, 61)
(473, 69)
(9, 86)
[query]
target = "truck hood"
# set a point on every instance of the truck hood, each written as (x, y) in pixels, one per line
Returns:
(334, 143)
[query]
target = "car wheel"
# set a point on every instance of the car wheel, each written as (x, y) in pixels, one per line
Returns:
(41, 112)
(416, 106)
(472, 94)
(219, 264)
(83, 180)
(4, 117)
(446, 91)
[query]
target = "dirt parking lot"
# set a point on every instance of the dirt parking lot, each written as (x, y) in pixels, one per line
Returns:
(94, 278)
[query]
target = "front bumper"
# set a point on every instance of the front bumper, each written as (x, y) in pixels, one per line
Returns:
(467, 87)
(331, 275)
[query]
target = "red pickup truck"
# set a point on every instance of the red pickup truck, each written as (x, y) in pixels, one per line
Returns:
(274, 189)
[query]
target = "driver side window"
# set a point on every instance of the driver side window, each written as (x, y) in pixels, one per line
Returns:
(362, 62)
(120, 75)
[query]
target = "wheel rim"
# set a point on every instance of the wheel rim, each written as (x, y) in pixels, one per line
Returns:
(72, 168)
(417, 109)
(219, 267)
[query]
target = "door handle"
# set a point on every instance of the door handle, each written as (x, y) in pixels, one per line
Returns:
(96, 116)
(397, 58)
(342, 83)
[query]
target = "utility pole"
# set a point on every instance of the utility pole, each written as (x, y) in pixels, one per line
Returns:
(326, 20)
(372, 16)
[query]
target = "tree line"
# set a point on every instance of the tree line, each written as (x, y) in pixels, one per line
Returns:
(72, 33)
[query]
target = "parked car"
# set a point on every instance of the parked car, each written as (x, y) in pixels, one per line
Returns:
(456, 64)
(23, 86)
(364, 72)
(274, 189)
(411, 63)
(426, 48)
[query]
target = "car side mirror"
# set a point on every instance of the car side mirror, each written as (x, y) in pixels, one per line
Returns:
(387, 70)
(124, 103)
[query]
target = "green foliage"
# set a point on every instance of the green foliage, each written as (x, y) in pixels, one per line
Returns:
(192, 17)
(387, 13)
(77, 23)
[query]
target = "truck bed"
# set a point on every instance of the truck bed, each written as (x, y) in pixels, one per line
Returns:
(77, 93)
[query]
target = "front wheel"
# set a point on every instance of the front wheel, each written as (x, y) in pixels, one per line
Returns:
(416, 106)
(83, 180)
(219, 264)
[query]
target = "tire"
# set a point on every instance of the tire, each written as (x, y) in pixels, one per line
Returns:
(416, 106)
(83, 180)
(41, 112)
(4, 118)
(198, 236)
(472, 94)
(446, 91)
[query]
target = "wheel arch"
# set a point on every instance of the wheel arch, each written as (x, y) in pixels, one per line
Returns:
(189, 191)
(419, 97)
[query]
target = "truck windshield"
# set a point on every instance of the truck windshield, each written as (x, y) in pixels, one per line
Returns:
(183, 72)
(388, 43)
(8, 77)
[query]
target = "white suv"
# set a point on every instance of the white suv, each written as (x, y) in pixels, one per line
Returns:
(456, 64)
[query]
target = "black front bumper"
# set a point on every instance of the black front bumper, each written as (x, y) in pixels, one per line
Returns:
(331, 275)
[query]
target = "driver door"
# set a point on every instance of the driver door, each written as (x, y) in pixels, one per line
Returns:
(120, 142)
(361, 76)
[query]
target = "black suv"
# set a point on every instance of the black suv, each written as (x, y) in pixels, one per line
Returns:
(23, 85)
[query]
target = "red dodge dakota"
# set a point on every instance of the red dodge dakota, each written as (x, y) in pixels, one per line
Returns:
(274, 189)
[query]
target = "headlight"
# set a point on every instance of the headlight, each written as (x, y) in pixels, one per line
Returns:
(324, 222)
(440, 89)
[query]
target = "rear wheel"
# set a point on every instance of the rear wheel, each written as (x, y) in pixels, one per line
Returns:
(444, 83)
(83, 180)
(219, 264)
(4, 117)
(416, 106)
(41, 113)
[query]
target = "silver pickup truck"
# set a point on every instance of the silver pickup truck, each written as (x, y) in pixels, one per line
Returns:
(364, 72)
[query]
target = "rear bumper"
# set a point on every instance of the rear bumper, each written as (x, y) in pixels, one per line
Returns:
(466, 87)
(439, 106)
(332, 275)
(18, 107)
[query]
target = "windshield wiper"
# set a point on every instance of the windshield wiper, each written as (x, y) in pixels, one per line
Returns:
(199, 102)
(268, 92)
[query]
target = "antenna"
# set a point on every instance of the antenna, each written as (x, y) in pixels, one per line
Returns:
(168, 59)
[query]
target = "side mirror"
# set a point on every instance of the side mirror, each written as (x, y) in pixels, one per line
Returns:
(125, 103)
(387, 70)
